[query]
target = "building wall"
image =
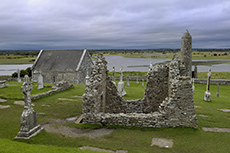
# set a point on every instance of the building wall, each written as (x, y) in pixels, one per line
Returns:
(74, 76)
(168, 100)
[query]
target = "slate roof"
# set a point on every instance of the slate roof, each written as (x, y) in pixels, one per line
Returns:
(58, 60)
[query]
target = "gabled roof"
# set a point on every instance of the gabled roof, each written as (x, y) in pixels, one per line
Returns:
(59, 60)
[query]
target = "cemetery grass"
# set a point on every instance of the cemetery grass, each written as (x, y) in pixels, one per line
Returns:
(133, 139)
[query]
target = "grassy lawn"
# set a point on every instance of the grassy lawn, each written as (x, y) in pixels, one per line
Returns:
(133, 139)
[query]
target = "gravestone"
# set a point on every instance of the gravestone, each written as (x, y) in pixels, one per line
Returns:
(207, 94)
(143, 82)
(217, 93)
(40, 80)
(114, 76)
(121, 85)
(127, 81)
(29, 127)
(19, 79)
(87, 79)
(193, 86)
(137, 79)
(150, 66)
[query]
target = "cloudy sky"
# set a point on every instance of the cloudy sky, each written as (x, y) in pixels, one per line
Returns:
(106, 24)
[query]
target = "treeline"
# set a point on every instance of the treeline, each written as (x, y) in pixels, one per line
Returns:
(19, 52)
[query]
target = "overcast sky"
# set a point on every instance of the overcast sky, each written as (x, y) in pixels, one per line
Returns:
(106, 24)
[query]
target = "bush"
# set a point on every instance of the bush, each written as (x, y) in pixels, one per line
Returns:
(28, 72)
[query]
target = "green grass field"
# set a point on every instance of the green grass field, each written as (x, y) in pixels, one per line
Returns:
(133, 139)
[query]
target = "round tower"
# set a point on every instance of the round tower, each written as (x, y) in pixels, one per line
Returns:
(186, 52)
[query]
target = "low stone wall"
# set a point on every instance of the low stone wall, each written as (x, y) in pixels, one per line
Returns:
(3, 84)
(61, 86)
(204, 81)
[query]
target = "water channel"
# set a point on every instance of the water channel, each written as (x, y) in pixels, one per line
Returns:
(128, 64)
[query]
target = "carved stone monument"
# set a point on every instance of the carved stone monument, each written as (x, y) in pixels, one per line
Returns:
(40, 80)
(29, 127)
(127, 81)
(193, 86)
(19, 79)
(87, 79)
(150, 66)
(121, 85)
(114, 76)
(137, 79)
(217, 93)
(207, 94)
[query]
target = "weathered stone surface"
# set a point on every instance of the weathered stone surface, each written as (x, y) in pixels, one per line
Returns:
(216, 129)
(102, 150)
(186, 53)
(40, 80)
(161, 142)
(224, 110)
(29, 127)
(4, 106)
(2, 100)
(207, 94)
(3, 84)
(21, 103)
(59, 86)
(168, 99)
(62, 65)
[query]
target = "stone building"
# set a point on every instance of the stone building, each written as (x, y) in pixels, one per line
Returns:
(62, 65)
(186, 52)
(168, 99)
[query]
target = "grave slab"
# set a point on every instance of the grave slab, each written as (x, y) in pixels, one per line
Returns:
(3, 100)
(4, 106)
(161, 142)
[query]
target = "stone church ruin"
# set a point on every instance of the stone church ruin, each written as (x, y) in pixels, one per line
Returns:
(62, 65)
(168, 98)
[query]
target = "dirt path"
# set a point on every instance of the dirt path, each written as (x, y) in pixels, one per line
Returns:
(56, 127)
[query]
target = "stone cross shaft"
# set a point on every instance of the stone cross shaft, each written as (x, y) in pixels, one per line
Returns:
(121, 77)
(26, 89)
(208, 80)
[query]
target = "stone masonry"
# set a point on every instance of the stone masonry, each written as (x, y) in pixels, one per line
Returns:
(168, 99)
(186, 52)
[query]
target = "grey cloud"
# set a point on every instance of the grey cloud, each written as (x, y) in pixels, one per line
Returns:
(57, 24)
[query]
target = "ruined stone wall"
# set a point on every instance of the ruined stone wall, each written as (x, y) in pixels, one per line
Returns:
(156, 89)
(168, 100)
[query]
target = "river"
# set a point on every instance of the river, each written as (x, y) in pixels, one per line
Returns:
(128, 64)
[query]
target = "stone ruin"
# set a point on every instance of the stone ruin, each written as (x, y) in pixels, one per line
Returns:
(168, 99)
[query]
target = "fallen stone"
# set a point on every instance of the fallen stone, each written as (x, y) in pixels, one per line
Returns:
(11, 85)
(4, 106)
(79, 120)
(224, 110)
(71, 119)
(102, 150)
(202, 115)
(21, 103)
(77, 96)
(67, 99)
(216, 129)
(3, 100)
(167, 143)
(44, 105)
(197, 106)
(41, 113)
